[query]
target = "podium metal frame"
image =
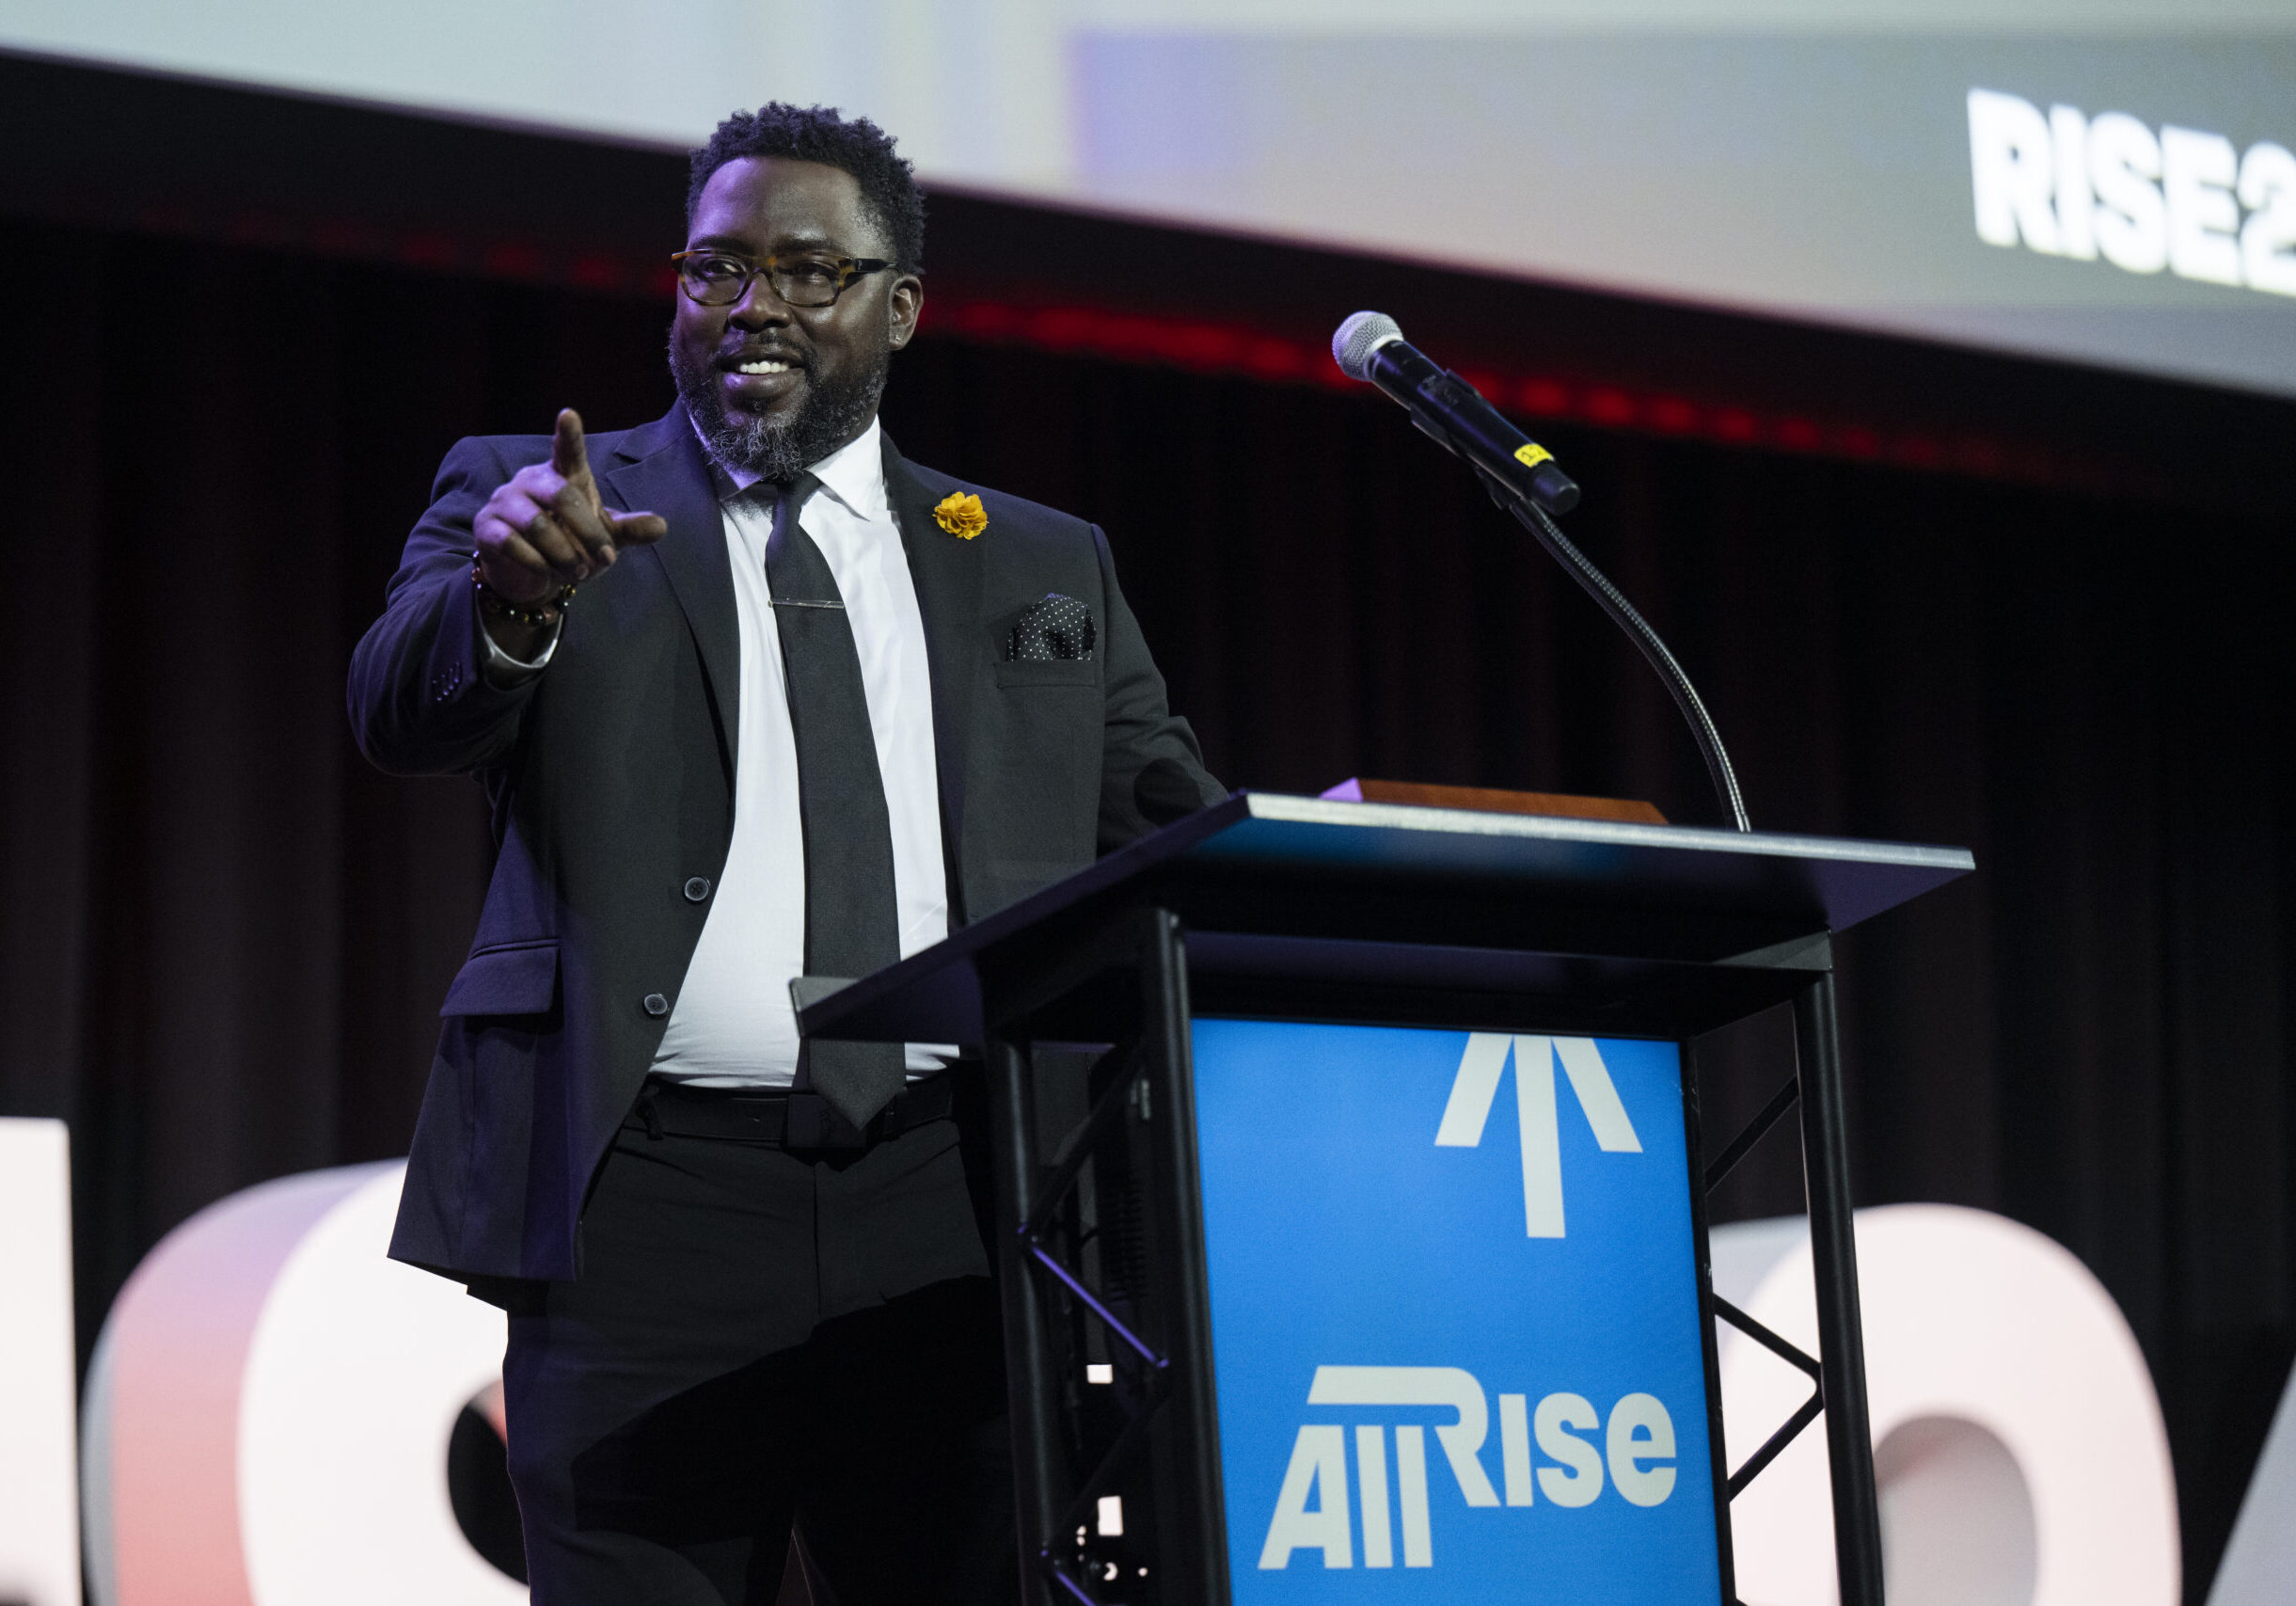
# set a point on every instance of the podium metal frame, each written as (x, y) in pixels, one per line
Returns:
(1080, 1001)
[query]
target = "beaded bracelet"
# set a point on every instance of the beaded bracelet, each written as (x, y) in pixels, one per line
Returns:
(536, 616)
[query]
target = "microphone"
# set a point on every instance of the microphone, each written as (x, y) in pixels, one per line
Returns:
(1371, 348)
(1524, 480)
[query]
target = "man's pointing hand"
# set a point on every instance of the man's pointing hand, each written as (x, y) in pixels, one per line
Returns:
(546, 527)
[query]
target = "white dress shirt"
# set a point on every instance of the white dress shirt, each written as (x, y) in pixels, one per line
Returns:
(733, 1025)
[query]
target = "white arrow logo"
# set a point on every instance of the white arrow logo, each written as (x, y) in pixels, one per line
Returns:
(1480, 1070)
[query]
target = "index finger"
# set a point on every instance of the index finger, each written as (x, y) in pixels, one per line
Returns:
(568, 455)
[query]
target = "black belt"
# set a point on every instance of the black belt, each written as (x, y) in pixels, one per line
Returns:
(792, 1119)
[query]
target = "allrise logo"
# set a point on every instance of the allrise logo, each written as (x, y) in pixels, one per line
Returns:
(1323, 1497)
(1313, 1510)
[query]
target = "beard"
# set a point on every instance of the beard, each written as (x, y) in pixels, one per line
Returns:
(830, 414)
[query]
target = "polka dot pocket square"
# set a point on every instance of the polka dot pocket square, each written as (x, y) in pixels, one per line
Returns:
(1056, 629)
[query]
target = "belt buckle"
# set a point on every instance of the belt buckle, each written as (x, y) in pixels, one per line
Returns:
(754, 1110)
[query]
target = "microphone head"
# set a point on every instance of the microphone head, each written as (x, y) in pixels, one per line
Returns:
(1354, 341)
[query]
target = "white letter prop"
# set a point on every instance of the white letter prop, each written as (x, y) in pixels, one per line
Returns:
(2019, 1448)
(39, 1521)
(270, 1405)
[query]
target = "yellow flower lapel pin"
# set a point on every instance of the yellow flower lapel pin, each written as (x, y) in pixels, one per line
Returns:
(962, 515)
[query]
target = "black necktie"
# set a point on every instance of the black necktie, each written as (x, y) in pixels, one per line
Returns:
(853, 924)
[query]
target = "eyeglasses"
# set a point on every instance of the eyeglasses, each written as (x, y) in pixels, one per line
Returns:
(720, 279)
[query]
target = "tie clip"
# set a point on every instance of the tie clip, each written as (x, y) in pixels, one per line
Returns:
(795, 602)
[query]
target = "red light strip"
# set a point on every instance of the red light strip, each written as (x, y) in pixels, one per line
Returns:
(1255, 353)
(1199, 347)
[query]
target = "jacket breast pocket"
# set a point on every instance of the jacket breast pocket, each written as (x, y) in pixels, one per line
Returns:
(519, 979)
(1054, 672)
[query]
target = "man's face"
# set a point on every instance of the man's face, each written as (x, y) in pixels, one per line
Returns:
(776, 387)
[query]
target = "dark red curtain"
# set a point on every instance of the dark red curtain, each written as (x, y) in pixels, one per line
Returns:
(223, 939)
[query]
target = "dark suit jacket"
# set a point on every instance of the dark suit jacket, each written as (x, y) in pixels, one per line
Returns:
(611, 780)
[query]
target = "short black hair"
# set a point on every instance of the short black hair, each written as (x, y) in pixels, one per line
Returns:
(821, 134)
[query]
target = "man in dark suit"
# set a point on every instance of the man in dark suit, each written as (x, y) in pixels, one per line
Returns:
(815, 705)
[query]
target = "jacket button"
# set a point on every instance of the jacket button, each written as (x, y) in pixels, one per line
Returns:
(657, 1004)
(697, 888)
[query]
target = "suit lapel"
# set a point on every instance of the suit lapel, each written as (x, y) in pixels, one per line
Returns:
(664, 471)
(947, 574)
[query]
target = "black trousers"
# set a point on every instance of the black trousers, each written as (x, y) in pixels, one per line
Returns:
(761, 1336)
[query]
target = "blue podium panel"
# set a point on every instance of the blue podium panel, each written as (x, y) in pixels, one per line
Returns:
(1454, 1316)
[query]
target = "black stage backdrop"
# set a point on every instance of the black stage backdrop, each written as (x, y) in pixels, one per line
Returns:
(225, 938)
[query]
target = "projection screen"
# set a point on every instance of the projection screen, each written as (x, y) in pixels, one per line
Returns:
(2108, 181)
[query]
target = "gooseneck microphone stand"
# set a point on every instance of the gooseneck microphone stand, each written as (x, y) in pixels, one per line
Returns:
(1613, 601)
(1524, 480)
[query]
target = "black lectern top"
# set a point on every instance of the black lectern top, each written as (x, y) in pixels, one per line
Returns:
(1365, 895)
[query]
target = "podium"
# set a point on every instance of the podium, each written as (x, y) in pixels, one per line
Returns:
(1300, 1306)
